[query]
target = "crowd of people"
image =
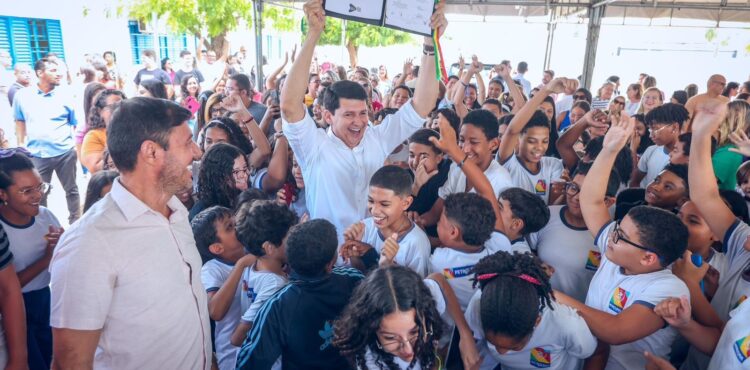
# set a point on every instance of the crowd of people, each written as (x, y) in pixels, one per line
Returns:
(336, 219)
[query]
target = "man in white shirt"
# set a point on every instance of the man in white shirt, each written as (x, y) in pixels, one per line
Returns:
(523, 67)
(125, 279)
(337, 164)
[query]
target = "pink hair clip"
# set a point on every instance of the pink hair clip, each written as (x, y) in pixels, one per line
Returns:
(486, 276)
(529, 279)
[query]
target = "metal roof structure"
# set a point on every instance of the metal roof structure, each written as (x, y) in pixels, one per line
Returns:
(592, 12)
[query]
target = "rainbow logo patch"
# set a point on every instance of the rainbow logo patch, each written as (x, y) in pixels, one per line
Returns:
(541, 187)
(742, 349)
(593, 261)
(739, 302)
(540, 357)
(457, 272)
(619, 300)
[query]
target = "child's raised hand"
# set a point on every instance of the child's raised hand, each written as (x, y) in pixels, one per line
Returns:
(389, 251)
(52, 237)
(447, 142)
(355, 232)
(742, 142)
(353, 248)
(688, 272)
(246, 260)
(675, 311)
(618, 135)
(708, 116)
(421, 176)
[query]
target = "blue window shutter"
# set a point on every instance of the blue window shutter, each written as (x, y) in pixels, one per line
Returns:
(5, 41)
(19, 31)
(54, 35)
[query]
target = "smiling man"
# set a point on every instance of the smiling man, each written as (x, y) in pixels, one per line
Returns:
(337, 164)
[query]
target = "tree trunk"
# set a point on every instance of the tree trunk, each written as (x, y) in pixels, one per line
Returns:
(352, 49)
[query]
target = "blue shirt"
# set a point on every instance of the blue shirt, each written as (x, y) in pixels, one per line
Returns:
(48, 118)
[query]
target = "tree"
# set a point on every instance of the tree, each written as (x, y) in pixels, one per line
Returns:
(358, 34)
(209, 20)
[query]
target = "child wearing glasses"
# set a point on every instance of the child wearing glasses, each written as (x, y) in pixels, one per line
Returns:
(518, 323)
(632, 276)
(33, 232)
(565, 244)
(664, 125)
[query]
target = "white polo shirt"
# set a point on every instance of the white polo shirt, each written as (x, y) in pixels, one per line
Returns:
(128, 271)
(337, 177)
(414, 246)
(733, 349)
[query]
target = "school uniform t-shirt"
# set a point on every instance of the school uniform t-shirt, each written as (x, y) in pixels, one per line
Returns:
(28, 245)
(213, 275)
(458, 268)
(561, 340)
(733, 349)
(612, 292)
(498, 176)
(652, 162)
(550, 169)
(570, 251)
(257, 286)
(414, 246)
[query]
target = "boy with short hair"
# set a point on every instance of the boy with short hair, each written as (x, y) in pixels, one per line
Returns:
(668, 191)
(389, 198)
(217, 243)
(664, 124)
(530, 131)
(565, 244)
(262, 228)
(296, 322)
(632, 276)
(523, 213)
(430, 169)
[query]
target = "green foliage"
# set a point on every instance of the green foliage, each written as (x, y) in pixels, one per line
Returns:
(360, 34)
(195, 16)
(280, 19)
(711, 35)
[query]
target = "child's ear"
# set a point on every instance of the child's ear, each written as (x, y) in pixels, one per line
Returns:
(268, 248)
(517, 224)
(406, 202)
(650, 259)
(455, 233)
(216, 248)
(494, 144)
(609, 201)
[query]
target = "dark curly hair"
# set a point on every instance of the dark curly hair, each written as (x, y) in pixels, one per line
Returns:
(473, 215)
(215, 179)
(263, 221)
(184, 83)
(510, 302)
(95, 120)
(385, 291)
(234, 133)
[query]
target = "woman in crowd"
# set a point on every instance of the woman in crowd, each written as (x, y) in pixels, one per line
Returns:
(725, 160)
(153, 88)
(189, 91)
(166, 66)
(95, 141)
(652, 98)
(99, 185)
(223, 176)
(633, 93)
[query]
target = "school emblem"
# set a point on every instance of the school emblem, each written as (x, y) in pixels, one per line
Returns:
(541, 358)
(457, 272)
(541, 187)
(739, 302)
(619, 300)
(742, 349)
(593, 260)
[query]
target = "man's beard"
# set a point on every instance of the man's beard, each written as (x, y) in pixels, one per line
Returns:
(172, 179)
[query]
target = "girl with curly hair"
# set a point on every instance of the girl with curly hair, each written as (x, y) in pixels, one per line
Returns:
(516, 320)
(393, 321)
(95, 141)
(223, 176)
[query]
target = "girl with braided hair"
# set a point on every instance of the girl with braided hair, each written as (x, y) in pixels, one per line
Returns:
(393, 321)
(516, 320)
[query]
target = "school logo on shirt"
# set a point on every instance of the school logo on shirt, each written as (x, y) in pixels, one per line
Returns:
(540, 358)
(326, 334)
(593, 260)
(619, 300)
(457, 272)
(739, 302)
(742, 348)
(541, 187)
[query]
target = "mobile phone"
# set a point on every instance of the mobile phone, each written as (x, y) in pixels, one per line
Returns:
(289, 192)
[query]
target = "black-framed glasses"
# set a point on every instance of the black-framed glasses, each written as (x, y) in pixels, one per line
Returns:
(616, 236)
(243, 171)
(579, 97)
(620, 102)
(572, 189)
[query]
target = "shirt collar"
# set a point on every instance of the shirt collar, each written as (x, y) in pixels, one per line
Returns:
(132, 207)
(50, 93)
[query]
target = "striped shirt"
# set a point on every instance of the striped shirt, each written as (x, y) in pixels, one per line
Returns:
(6, 257)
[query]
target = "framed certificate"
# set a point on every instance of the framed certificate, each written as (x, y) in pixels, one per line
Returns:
(406, 15)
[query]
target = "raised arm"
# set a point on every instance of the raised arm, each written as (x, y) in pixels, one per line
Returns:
(515, 92)
(593, 192)
(703, 188)
(278, 168)
(595, 118)
(271, 79)
(426, 92)
(408, 67)
(481, 89)
(459, 90)
(293, 93)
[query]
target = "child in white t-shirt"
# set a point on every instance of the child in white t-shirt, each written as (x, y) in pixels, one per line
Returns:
(262, 227)
(664, 124)
(216, 240)
(632, 277)
(517, 322)
(388, 200)
(523, 213)
(565, 243)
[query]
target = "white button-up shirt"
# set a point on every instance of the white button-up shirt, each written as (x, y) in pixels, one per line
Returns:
(128, 271)
(337, 177)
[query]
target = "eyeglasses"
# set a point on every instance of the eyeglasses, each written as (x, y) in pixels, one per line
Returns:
(399, 343)
(243, 172)
(42, 189)
(656, 131)
(620, 102)
(571, 189)
(579, 97)
(616, 236)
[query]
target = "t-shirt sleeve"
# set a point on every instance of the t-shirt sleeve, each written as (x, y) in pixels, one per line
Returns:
(643, 162)
(164, 77)
(472, 316)
(211, 277)
(734, 241)
(199, 76)
(264, 343)
(419, 256)
(668, 286)
(397, 127)
(603, 236)
(437, 295)
(557, 169)
(18, 107)
(82, 282)
(305, 138)
(579, 341)
(266, 286)
(6, 257)
(92, 143)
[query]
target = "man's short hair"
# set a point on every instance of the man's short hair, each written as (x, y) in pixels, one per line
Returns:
(484, 120)
(613, 79)
(422, 136)
(148, 53)
(538, 119)
(41, 64)
(550, 72)
(342, 90)
(494, 102)
(185, 52)
(243, 82)
(311, 246)
(393, 178)
(473, 215)
(522, 67)
(137, 120)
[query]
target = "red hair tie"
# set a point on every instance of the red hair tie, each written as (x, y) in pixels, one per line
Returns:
(486, 276)
(529, 278)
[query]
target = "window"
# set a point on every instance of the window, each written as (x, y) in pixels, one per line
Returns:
(29, 39)
(170, 46)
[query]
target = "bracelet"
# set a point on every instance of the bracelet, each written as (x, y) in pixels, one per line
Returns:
(465, 84)
(428, 48)
(248, 120)
(429, 54)
(461, 164)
